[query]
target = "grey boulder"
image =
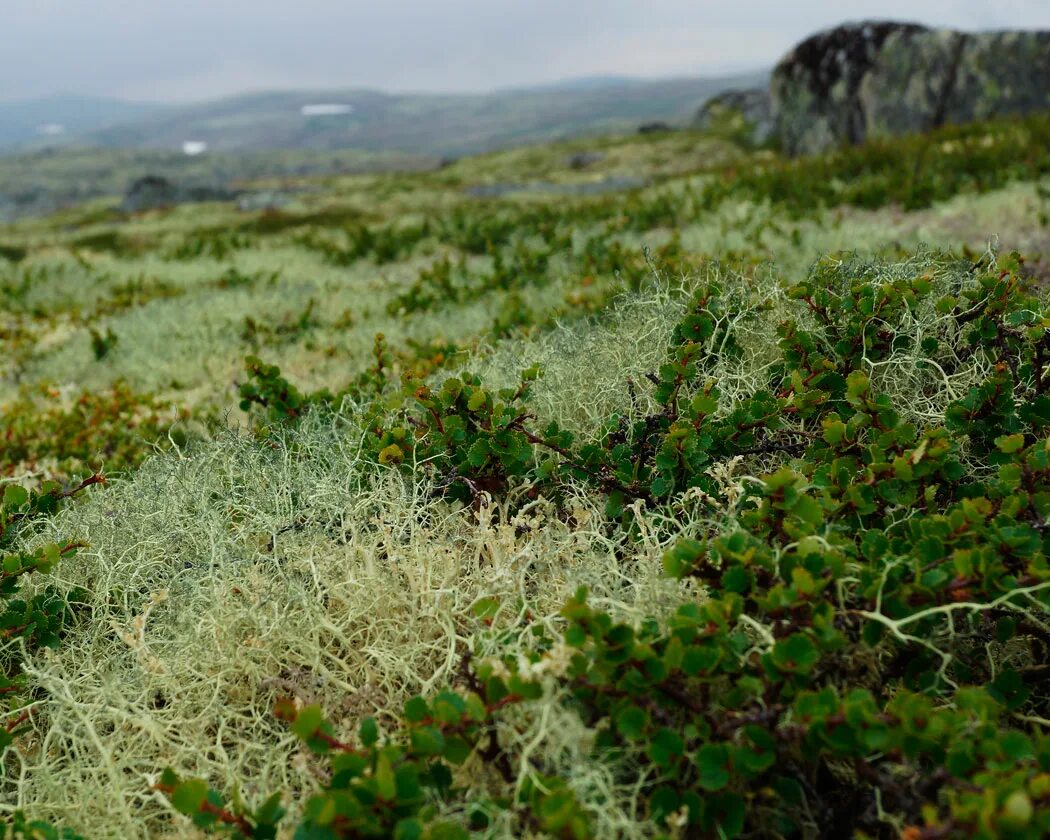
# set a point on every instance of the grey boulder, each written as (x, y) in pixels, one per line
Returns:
(876, 79)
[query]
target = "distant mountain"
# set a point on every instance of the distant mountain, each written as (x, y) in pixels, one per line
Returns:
(55, 120)
(416, 124)
(582, 83)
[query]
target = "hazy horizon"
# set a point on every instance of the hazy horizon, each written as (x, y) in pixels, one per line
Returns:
(322, 90)
(208, 50)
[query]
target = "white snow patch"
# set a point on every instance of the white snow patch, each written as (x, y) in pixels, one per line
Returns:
(325, 109)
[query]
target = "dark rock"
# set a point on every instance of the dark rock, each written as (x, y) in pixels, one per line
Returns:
(148, 192)
(584, 160)
(745, 115)
(654, 128)
(881, 78)
(151, 192)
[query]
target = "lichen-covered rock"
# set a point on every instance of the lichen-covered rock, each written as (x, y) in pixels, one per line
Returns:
(874, 79)
(745, 114)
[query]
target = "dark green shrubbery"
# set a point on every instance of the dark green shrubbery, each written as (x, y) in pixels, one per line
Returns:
(22, 828)
(912, 171)
(870, 655)
(114, 427)
(27, 624)
(210, 243)
(13, 253)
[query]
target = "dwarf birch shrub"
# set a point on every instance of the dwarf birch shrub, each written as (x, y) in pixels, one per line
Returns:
(866, 654)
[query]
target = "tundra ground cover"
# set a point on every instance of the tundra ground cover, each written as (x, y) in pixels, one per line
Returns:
(806, 500)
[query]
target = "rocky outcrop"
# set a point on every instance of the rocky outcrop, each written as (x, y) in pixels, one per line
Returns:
(875, 79)
(745, 114)
(584, 160)
(657, 127)
(151, 192)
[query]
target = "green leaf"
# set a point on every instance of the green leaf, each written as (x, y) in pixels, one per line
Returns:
(683, 557)
(834, 431)
(701, 659)
(478, 453)
(666, 748)
(661, 486)
(1009, 444)
(416, 709)
(725, 813)
(712, 762)
(270, 811)
(857, 387)
(386, 781)
(1018, 810)
(485, 608)
(427, 740)
(759, 754)
(456, 750)
(632, 722)
(368, 732)
(307, 722)
(736, 579)
(189, 795)
(15, 497)
(447, 831)
(704, 404)
(796, 653)
(410, 828)
(663, 801)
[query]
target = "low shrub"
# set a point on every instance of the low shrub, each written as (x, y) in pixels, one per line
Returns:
(868, 654)
(912, 171)
(65, 436)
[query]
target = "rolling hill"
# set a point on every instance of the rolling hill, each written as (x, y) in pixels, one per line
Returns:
(56, 119)
(419, 124)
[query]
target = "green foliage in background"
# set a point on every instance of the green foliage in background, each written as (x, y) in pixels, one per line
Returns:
(66, 437)
(911, 171)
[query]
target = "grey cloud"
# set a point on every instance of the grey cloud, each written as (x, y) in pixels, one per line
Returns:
(159, 49)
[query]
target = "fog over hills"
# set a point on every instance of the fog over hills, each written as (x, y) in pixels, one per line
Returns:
(60, 117)
(431, 124)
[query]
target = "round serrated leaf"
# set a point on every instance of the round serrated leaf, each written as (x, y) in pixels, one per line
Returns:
(632, 722)
(712, 762)
(416, 709)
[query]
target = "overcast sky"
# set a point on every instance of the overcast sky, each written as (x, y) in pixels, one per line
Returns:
(197, 49)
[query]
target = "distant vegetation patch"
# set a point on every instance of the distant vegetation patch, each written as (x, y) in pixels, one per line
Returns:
(61, 435)
(913, 171)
